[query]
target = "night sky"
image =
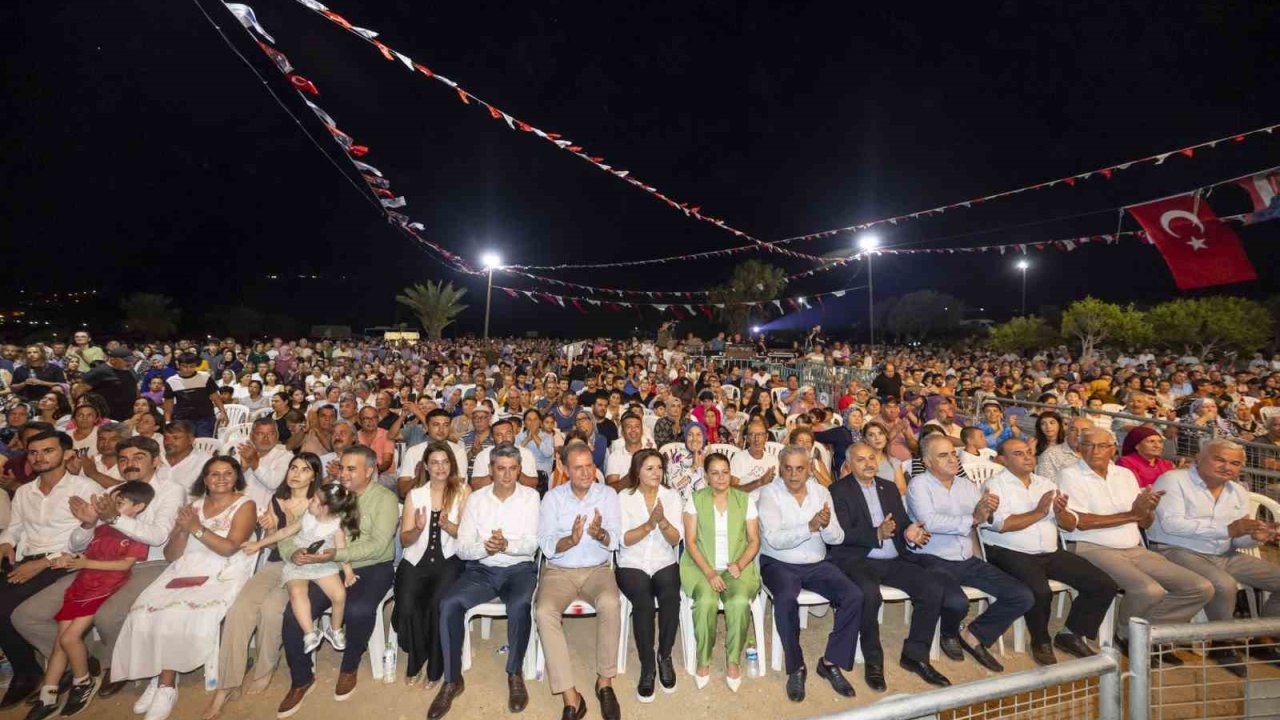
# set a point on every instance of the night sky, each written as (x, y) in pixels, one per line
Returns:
(141, 154)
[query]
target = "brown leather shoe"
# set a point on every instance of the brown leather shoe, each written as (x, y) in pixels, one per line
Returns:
(110, 687)
(517, 695)
(292, 702)
(444, 699)
(346, 685)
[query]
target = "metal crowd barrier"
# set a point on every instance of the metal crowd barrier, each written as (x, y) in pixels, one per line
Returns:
(1076, 689)
(1202, 688)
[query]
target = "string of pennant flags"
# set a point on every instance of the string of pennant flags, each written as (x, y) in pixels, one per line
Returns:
(555, 139)
(376, 182)
(678, 310)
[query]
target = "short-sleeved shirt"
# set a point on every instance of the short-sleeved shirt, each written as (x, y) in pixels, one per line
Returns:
(192, 396)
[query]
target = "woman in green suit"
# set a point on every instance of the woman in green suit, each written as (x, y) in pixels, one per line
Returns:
(722, 537)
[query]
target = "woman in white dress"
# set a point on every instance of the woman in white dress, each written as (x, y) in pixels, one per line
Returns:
(173, 625)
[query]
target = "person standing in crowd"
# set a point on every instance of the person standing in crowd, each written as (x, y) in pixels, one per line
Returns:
(429, 567)
(1109, 508)
(498, 539)
(192, 395)
(40, 523)
(950, 508)
(371, 556)
(578, 529)
(873, 553)
(648, 569)
(797, 523)
(116, 383)
(38, 376)
(1022, 540)
(722, 538)
(1201, 524)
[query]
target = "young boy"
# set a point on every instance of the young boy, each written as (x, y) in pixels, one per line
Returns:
(193, 395)
(104, 568)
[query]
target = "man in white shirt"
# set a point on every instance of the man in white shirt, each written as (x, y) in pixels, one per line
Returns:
(265, 461)
(796, 525)
(1108, 510)
(139, 459)
(438, 422)
(504, 433)
(950, 507)
(618, 462)
(497, 536)
(579, 526)
(1202, 523)
(40, 524)
(184, 461)
(1022, 540)
(751, 468)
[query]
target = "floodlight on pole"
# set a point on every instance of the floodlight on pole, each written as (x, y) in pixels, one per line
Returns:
(1023, 265)
(867, 243)
(491, 261)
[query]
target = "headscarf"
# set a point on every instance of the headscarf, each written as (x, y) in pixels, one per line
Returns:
(684, 433)
(1135, 436)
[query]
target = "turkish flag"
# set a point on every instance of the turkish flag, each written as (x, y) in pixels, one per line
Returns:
(1200, 250)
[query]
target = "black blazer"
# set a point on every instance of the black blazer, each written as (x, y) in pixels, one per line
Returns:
(851, 510)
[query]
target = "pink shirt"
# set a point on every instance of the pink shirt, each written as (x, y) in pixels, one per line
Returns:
(1146, 472)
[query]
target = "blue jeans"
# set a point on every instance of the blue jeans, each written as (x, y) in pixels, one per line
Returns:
(204, 426)
(479, 584)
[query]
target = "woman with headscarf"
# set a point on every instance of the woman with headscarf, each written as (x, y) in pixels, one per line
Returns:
(585, 422)
(1246, 426)
(1140, 454)
(684, 466)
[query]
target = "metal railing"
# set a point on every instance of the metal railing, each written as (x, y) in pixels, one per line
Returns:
(1202, 687)
(1072, 690)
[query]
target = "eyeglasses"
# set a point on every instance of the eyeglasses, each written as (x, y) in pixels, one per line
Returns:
(1097, 446)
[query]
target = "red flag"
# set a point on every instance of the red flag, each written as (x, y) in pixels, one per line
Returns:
(1200, 250)
(1263, 189)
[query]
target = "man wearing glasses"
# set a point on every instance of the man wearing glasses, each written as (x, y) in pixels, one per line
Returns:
(1108, 509)
(751, 468)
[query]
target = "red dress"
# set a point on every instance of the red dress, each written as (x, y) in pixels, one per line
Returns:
(91, 588)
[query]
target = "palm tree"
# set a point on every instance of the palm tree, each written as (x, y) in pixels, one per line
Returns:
(752, 281)
(435, 304)
(150, 315)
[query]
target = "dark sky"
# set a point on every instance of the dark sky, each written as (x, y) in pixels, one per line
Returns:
(140, 152)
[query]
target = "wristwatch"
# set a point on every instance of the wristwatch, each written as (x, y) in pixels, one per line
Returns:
(111, 520)
(198, 534)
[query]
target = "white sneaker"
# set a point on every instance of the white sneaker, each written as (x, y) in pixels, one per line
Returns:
(148, 696)
(337, 637)
(166, 698)
(311, 641)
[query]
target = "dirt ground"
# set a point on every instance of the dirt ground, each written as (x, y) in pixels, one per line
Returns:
(486, 686)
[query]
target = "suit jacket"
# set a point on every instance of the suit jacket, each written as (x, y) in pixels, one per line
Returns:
(850, 507)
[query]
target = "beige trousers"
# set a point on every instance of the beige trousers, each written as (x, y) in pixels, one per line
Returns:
(259, 607)
(1154, 588)
(556, 589)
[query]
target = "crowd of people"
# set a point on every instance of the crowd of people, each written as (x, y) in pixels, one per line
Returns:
(446, 474)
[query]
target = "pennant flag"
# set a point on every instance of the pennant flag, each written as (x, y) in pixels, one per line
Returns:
(1200, 250)
(245, 15)
(511, 292)
(1264, 192)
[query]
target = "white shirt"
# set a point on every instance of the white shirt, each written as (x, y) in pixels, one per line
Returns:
(1188, 515)
(420, 498)
(517, 517)
(1089, 493)
(748, 469)
(186, 472)
(89, 444)
(1039, 538)
(722, 528)
(528, 465)
(40, 524)
(784, 524)
(410, 458)
(653, 552)
(263, 481)
(151, 526)
(618, 460)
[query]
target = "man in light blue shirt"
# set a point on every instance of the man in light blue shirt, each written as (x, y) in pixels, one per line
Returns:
(579, 525)
(950, 507)
(796, 525)
(1203, 521)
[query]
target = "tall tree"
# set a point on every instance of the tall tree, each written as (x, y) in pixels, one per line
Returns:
(915, 316)
(435, 303)
(1022, 333)
(150, 315)
(752, 281)
(1096, 323)
(1211, 323)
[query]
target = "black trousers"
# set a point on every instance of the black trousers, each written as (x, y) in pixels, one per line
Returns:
(416, 616)
(641, 590)
(1096, 589)
(20, 653)
(926, 589)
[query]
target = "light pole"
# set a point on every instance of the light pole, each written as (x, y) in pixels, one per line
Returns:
(1023, 265)
(866, 244)
(491, 262)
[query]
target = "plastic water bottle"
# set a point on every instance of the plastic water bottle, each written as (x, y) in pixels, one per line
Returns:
(753, 663)
(389, 665)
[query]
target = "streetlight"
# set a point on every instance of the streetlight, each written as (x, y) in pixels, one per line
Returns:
(1023, 265)
(868, 242)
(491, 262)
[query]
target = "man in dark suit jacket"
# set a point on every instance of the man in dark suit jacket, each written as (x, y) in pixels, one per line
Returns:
(874, 553)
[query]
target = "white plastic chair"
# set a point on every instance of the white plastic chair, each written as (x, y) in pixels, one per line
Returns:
(725, 448)
(579, 608)
(625, 610)
(239, 431)
(773, 448)
(486, 612)
(669, 448)
(805, 600)
(983, 600)
(206, 444)
(690, 643)
(731, 392)
(236, 414)
(259, 413)
(383, 636)
(980, 472)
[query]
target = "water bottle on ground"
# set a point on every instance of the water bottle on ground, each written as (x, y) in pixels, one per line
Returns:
(753, 663)
(389, 665)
